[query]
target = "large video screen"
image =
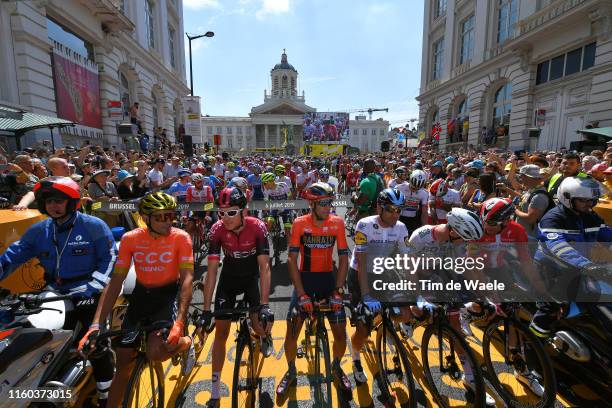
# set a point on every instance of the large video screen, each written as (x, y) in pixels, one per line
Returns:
(326, 127)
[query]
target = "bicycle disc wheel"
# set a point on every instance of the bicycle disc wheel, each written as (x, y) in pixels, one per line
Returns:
(531, 355)
(244, 383)
(445, 376)
(397, 381)
(198, 335)
(146, 385)
(322, 372)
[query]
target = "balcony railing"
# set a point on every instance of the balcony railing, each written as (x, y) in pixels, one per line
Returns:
(433, 85)
(547, 14)
(460, 69)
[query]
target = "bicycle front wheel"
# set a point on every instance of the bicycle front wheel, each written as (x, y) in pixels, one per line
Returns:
(397, 382)
(146, 385)
(244, 383)
(196, 307)
(322, 372)
(508, 347)
(441, 348)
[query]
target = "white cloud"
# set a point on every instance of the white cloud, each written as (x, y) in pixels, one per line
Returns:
(200, 4)
(272, 7)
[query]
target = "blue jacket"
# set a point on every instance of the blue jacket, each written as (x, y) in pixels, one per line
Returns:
(563, 238)
(87, 254)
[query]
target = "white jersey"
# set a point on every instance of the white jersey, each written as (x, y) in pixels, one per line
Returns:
(230, 175)
(284, 179)
(369, 231)
(423, 237)
(451, 197)
(415, 201)
(280, 192)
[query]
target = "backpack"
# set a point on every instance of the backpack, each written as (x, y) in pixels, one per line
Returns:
(551, 202)
(379, 187)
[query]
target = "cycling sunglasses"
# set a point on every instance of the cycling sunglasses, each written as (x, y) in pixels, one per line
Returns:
(165, 217)
(325, 203)
(494, 223)
(55, 200)
(393, 208)
(230, 213)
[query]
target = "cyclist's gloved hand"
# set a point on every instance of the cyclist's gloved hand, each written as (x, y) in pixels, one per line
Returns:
(88, 340)
(305, 304)
(265, 314)
(206, 320)
(371, 303)
(335, 301)
(176, 332)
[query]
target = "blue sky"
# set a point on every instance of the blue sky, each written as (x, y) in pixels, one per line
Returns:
(349, 54)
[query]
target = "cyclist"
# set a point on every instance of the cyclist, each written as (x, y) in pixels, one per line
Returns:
(231, 172)
(401, 176)
(275, 191)
(243, 185)
(563, 233)
(352, 178)
(198, 192)
(281, 177)
(324, 178)
(246, 268)
(313, 238)
(163, 261)
(383, 228)
(77, 252)
(255, 185)
(414, 214)
(441, 200)
(343, 170)
(179, 188)
(369, 188)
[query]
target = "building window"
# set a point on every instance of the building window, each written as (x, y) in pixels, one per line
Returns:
(209, 130)
(171, 35)
(150, 22)
(373, 132)
(248, 131)
(438, 50)
(588, 59)
(502, 106)
(124, 92)
(229, 130)
(506, 19)
(381, 132)
(542, 72)
(364, 132)
(155, 111)
(219, 130)
(239, 130)
(573, 62)
(439, 8)
(467, 40)
(355, 132)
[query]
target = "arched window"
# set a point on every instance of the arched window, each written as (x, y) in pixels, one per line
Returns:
(275, 86)
(285, 84)
(124, 94)
(502, 107)
(155, 111)
(461, 117)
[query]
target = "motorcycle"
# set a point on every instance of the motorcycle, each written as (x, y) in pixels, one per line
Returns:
(37, 360)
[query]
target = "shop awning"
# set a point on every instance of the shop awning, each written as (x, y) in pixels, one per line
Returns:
(605, 132)
(18, 122)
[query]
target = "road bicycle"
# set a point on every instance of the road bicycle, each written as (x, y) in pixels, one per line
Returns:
(350, 221)
(274, 230)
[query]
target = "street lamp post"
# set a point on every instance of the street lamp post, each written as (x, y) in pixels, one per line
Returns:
(195, 37)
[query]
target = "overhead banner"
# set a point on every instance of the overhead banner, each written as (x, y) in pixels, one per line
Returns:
(193, 118)
(77, 90)
(326, 127)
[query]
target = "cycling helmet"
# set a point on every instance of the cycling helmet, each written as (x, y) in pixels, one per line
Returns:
(318, 191)
(417, 165)
(323, 172)
(438, 188)
(577, 187)
(496, 210)
(465, 223)
(279, 167)
(184, 172)
(231, 164)
(450, 159)
(391, 196)
(239, 182)
(232, 196)
(243, 173)
(197, 177)
(269, 169)
(267, 177)
(60, 187)
(400, 170)
(418, 178)
(356, 166)
(157, 201)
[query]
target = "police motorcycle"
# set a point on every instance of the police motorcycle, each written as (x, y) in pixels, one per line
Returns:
(38, 359)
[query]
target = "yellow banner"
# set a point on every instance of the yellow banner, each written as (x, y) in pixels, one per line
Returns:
(322, 149)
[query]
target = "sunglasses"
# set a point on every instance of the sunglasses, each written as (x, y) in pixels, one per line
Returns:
(165, 217)
(230, 213)
(393, 209)
(587, 200)
(325, 203)
(493, 223)
(55, 200)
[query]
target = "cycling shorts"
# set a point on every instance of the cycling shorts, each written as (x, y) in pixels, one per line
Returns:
(146, 306)
(321, 284)
(228, 289)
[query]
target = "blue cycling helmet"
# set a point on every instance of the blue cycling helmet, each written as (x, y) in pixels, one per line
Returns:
(417, 165)
(391, 196)
(450, 159)
(438, 163)
(478, 164)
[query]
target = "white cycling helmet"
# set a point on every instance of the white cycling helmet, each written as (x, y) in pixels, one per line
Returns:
(465, 223)
(197, 177)
(239, 182)
(323, 172)
(577, 187)
(418, 178)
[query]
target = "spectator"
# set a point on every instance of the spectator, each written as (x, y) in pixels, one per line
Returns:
(135, 116)
(535, 200)
(125, 187)
(171, 169)
(100, 189)
(486, 190)
(155, 176)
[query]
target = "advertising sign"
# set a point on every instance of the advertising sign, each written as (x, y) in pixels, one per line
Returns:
(326, 127)
(193, 118)
(115, 111)
(77, 88)
(540, 117)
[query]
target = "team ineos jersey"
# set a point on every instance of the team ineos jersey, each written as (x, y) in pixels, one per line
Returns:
(369, 231)
(157, 261)
(241, 249)
(280, 192)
